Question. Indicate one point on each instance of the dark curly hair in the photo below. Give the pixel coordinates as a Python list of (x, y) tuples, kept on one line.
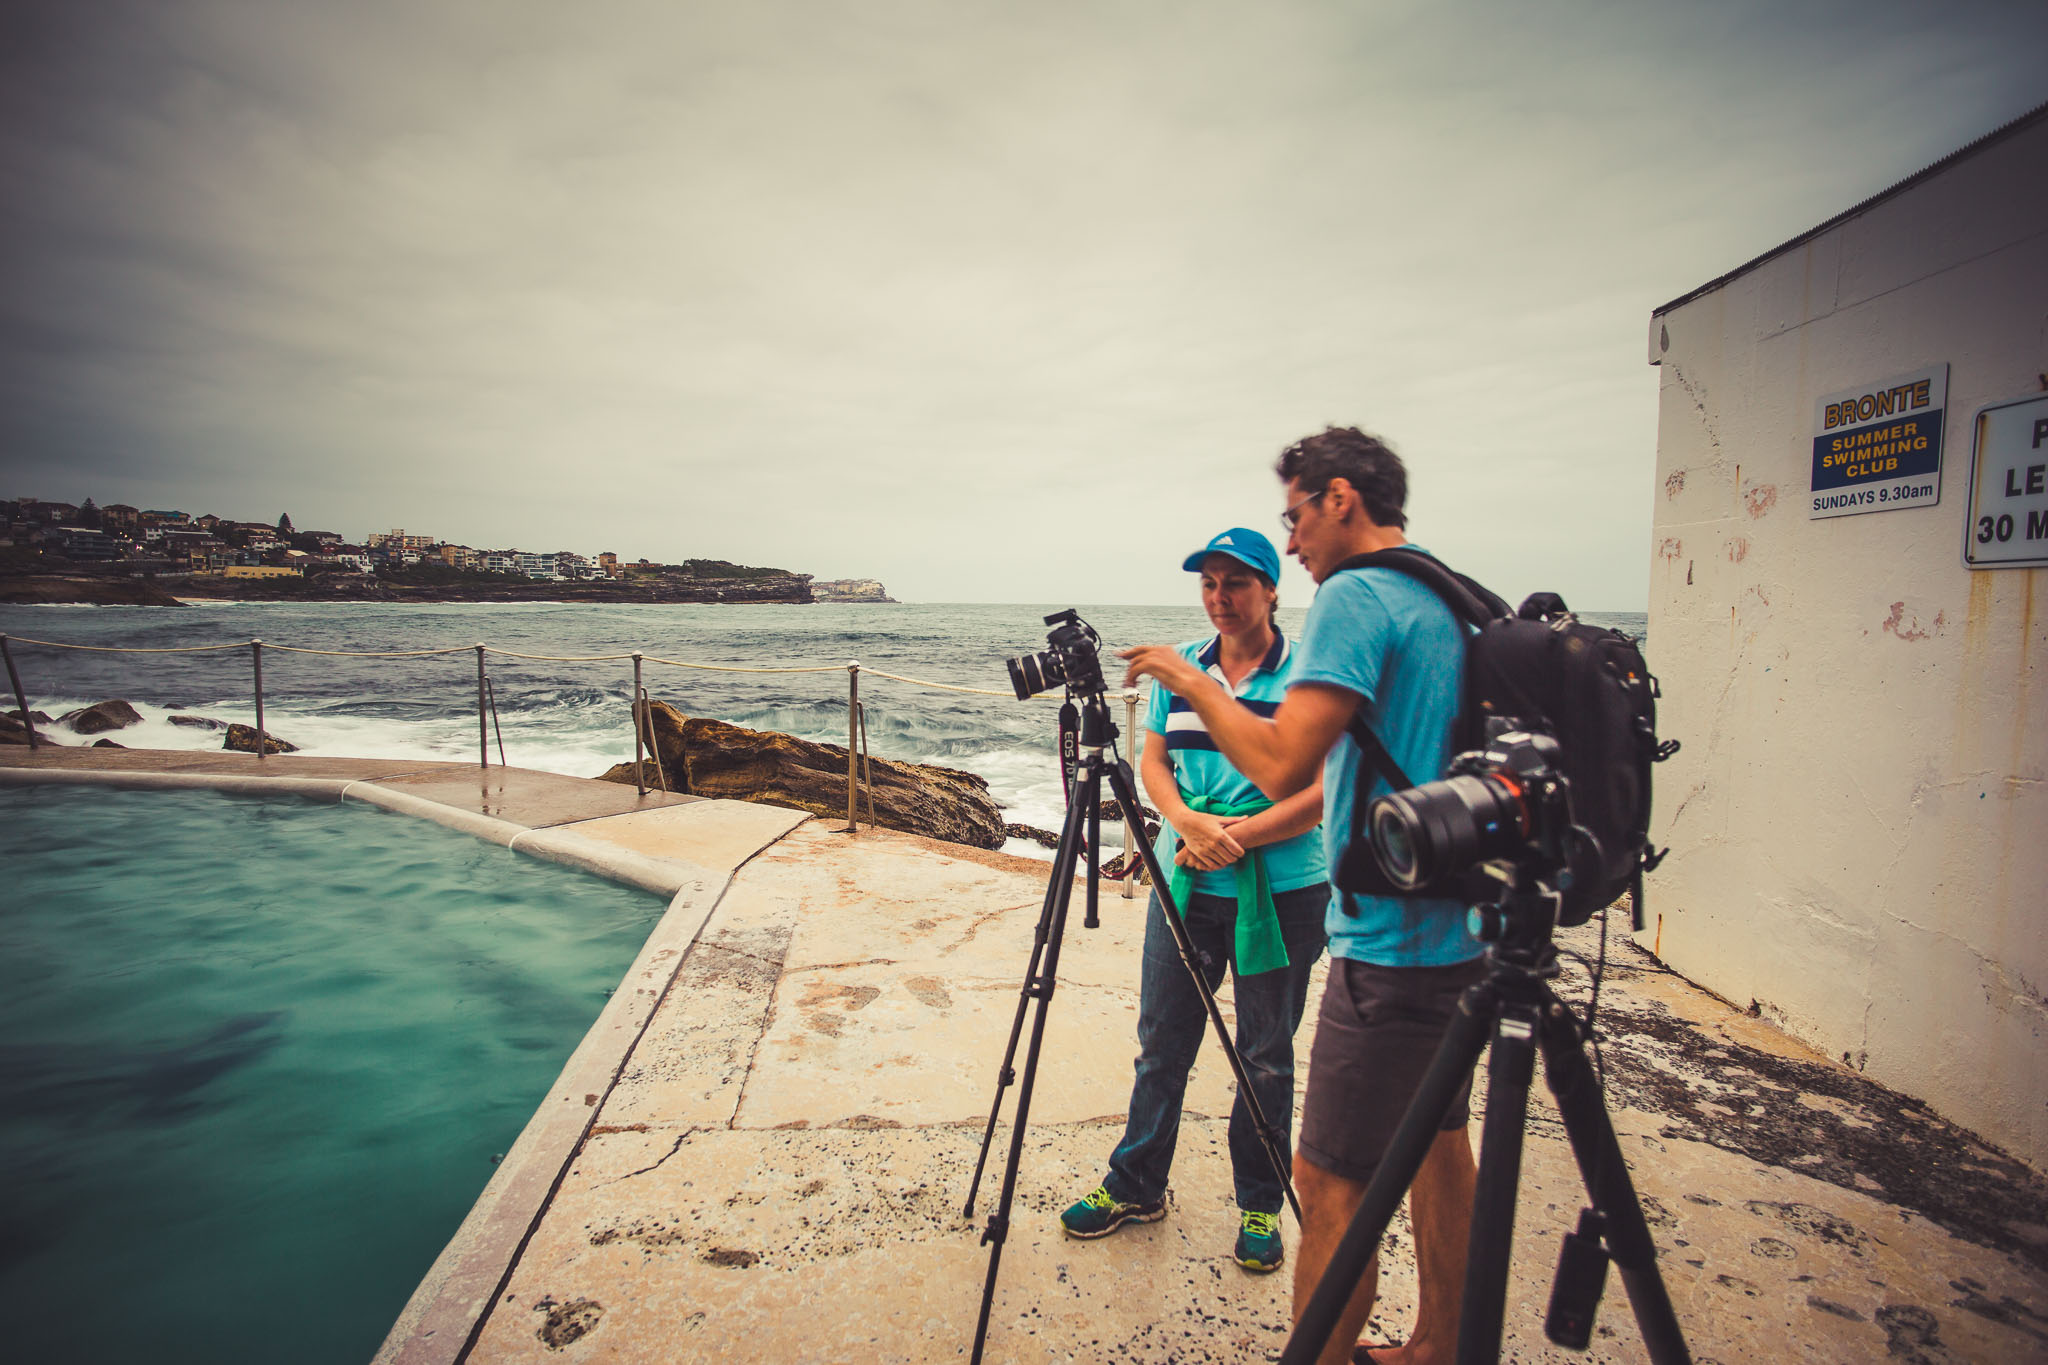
[(1367, 463)]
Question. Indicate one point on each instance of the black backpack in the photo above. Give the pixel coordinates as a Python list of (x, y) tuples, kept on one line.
[(1586, 687)]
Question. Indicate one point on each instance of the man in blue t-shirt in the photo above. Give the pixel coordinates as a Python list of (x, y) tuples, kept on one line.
[(1380, 645)]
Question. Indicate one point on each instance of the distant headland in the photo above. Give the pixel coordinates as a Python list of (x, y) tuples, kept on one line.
[(122, 555)]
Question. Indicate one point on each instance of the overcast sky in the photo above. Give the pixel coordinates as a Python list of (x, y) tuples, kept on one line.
[(991, 302)]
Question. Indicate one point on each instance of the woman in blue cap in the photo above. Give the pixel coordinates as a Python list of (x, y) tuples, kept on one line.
[(1250, 878)]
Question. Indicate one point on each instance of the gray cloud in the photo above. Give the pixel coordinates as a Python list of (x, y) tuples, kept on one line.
[(992, 303)]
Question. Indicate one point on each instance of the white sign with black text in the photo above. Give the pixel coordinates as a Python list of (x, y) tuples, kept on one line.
[(2008, 526)]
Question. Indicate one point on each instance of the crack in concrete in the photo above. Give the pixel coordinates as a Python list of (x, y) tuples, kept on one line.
[(980, 922), (675, 1147)]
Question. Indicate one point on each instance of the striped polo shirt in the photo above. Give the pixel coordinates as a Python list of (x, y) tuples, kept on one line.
[(1200, 768)]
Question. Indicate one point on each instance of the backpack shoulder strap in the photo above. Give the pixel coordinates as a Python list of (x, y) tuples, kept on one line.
[(1469, 600), (1376, 755)]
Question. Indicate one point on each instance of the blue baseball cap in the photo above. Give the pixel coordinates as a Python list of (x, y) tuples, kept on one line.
[(1244, 545)]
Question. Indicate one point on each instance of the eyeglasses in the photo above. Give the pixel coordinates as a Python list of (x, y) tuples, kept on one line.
[(1292, 516)]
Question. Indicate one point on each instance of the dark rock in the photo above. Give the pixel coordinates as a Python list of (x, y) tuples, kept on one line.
[(12, 731), (1113, 811), (1044, 838), (242, 739), (101, 717), (107, 744), (703, 757), (198, 722)]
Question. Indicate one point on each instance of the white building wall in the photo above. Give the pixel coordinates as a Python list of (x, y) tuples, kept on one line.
[(1859, 816)]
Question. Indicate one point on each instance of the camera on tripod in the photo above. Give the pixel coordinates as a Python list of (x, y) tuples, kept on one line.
[(1507, 803), (1074, 659)]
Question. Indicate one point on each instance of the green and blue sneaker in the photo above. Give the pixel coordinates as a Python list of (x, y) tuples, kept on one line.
[(1258, 1242), (1098, 1214)]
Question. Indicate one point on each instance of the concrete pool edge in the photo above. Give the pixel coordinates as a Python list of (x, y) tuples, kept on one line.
[(330, 788), (450, 1301)]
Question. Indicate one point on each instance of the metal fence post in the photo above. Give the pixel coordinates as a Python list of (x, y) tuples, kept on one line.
[(483, 734), (262, 740), (19, 699), (1132, 817), (639, 764), (852, 744)]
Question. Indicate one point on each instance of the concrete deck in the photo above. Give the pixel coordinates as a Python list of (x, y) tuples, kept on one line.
[(761, 1149)]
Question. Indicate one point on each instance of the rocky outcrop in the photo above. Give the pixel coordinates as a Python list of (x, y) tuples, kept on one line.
[(132, 592), (197, 722), (242, 739), (703, 757), (849, 590), (101, 717), (12, 731)]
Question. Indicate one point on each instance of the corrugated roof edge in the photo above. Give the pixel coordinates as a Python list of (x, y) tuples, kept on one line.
[(1998, 134)]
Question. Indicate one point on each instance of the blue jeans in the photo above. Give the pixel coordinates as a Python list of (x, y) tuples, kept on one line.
[(1172, 1021)]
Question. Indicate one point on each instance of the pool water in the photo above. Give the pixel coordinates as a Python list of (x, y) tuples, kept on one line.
[(257, 1057)]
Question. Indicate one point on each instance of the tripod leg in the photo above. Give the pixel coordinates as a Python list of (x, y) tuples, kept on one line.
[(1089, 919), (1605, 1173), (1056, 890), (1508, 1074), (1122, 786), (1455, 1055), (1040, 987)]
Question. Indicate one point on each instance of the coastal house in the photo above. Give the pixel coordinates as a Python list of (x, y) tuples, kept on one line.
[(1848, 581)]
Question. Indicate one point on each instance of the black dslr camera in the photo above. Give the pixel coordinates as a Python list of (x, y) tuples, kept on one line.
[(1075, 659), (1504, 803)]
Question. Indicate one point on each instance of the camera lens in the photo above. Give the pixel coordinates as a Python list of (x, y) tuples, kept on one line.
[(1035, 673), (1424, 833)]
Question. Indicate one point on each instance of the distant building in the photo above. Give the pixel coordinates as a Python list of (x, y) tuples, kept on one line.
[(79, 542), (609, 564), (534, 565), (259, 571)]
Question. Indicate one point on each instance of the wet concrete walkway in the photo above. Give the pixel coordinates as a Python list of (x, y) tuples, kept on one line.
[(761, 1150)]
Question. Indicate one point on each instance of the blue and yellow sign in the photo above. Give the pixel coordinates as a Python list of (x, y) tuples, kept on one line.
[(1877, 446)]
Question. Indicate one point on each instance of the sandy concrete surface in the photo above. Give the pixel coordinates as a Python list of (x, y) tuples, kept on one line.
[(762, 1149), (780, 1171)]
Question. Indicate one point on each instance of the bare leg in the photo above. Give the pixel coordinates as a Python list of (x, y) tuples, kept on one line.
[(1440, 1211), (1327, 1203)]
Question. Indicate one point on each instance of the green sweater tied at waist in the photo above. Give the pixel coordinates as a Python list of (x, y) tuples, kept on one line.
[(1260, 947)]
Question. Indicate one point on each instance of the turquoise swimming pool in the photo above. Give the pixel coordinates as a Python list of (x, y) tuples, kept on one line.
[(257, 1057)]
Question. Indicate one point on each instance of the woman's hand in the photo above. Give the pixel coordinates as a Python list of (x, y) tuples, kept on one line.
[(1205, 843)]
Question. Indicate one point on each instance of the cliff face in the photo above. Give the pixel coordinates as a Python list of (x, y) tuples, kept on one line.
[(849, 590)]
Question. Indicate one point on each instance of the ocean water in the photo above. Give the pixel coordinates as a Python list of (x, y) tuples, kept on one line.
[(257, 1057), (574, 717)]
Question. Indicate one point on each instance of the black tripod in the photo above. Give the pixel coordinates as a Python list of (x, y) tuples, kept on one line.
[(1084, 812), (1514, 1008)]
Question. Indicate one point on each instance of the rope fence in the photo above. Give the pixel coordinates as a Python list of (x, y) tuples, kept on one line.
[(857, 775)]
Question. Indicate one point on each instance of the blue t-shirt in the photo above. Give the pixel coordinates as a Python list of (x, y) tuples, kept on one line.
[(1382, 635), (1201, 769)]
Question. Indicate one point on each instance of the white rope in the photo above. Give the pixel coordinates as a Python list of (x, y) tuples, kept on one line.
[(514, 654)]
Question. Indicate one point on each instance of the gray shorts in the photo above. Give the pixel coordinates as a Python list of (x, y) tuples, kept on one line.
[(1376, 1034)]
